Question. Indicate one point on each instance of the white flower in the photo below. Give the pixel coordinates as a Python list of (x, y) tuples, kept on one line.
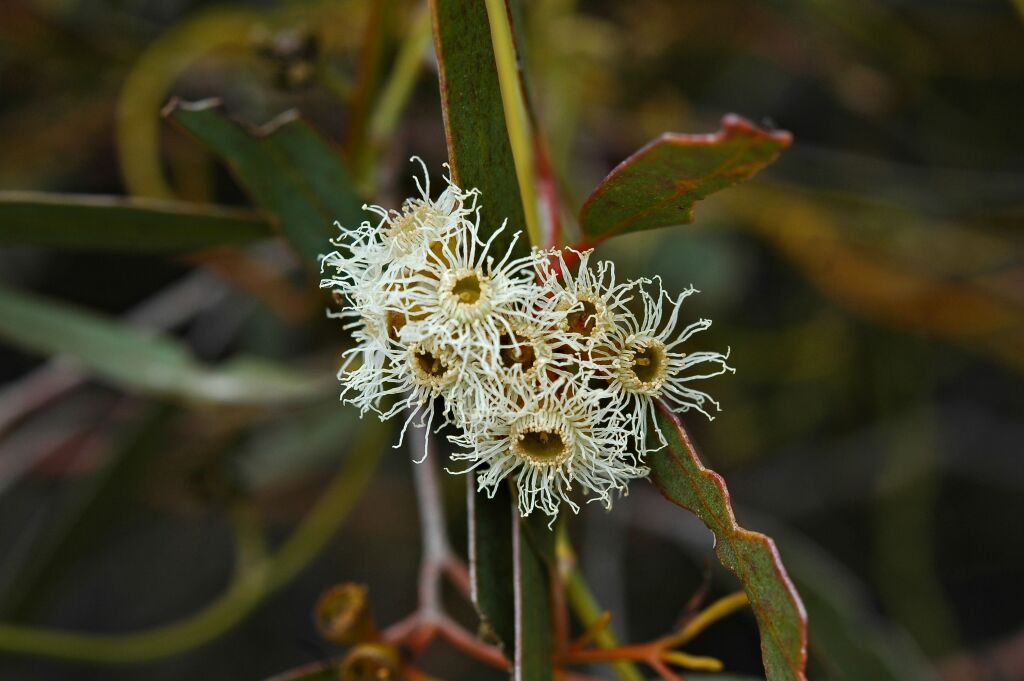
[(563, 436), (371, 249), (547, 373), (460, 295), (418, 374), (374, 329), (593, 302), (645, 362)]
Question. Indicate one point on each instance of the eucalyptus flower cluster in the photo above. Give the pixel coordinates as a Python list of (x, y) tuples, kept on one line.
[(547, 372)]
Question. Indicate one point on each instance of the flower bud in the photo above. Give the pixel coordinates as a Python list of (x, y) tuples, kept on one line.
[(343, 615), (371, 662)]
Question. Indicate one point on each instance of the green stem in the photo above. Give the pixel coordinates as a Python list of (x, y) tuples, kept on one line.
[(586, 608), (241, 597), (515, 113)]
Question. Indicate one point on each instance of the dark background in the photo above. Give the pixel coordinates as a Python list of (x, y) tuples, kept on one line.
[(870, 286)]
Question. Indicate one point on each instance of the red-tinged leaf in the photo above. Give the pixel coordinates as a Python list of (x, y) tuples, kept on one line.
[(658, 185), (474, 117), (678, 474)]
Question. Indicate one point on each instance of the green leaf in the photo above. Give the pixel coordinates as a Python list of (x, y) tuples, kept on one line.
[(658, 185), (139, 360), (534, 565), (480, 156), (474, 118), (287, 169), (678, 474), (491, 561), (113, 223)]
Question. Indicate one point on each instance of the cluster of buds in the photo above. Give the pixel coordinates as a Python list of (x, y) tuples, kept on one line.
[(548, 372)]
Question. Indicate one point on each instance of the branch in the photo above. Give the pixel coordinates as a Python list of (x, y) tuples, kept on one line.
[(659, 653), (429, 620), (586, 609)]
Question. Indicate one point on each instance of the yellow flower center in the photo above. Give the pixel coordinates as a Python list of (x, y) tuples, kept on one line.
[(465, 295), (467, 289), (431, 367), (642, 367), (543, 438), (587, 315)]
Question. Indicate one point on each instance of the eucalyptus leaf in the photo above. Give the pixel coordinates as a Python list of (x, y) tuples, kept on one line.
[(681, 478), (287, 169), (659, 184), (143, 361), (491, 562), (480, 156), (474, 117), (534, 550), (116, 223)]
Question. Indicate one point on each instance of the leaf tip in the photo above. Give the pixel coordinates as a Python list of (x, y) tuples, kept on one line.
[(175, 104), (736, 125)]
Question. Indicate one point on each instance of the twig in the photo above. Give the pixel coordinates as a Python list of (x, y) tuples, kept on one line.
[(657, 654), (429, 621), (586, 609)]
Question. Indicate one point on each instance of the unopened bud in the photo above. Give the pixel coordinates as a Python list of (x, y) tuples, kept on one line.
[(343, 615), (371, 662)]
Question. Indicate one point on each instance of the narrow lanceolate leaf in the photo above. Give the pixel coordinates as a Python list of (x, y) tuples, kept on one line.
[(481, 157), (142, 361), (534, 548), (679, 475), (287, 169), (114, 223), (491, 562), (658, 185), (474, 118)]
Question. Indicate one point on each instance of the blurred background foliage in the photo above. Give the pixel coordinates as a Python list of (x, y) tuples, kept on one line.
[(870, 285)]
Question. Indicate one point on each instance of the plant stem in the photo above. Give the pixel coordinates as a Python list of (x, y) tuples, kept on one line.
[(241, 597), (721, 608), (585, 607)]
